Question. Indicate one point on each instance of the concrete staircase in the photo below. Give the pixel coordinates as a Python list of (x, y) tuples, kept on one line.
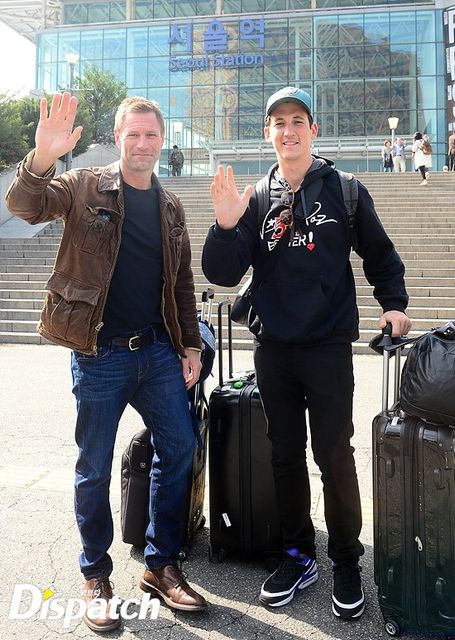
[(420, 220)]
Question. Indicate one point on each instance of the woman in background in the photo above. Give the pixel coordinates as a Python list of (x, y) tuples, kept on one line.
[(419, 157), (387, 159)]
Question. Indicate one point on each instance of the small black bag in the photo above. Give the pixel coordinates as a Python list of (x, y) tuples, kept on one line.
[(241, 309), (428, 377)]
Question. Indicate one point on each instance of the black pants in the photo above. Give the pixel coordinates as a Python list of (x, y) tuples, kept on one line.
[(291, 379), (423, 171)]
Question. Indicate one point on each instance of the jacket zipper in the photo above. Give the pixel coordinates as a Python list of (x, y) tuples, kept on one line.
[(168, 204), (100, 323)]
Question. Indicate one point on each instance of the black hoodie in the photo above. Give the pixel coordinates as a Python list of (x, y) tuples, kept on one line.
[(309, 294)]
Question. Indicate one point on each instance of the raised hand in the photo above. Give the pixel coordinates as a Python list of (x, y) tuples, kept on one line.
[(54, 135), (228, 203)]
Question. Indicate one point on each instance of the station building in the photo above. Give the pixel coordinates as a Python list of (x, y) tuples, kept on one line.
[(211, 65)]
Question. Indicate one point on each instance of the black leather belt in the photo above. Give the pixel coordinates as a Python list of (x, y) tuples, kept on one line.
[(137, 342)]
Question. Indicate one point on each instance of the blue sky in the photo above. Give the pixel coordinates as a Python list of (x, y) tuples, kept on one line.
[(17, 68)]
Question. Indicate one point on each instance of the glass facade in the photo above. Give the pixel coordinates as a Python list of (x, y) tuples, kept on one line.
[(111, 10), (212, 75)]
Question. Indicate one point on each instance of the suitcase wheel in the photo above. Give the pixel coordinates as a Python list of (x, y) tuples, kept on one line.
[(393, 628), (216, 554)]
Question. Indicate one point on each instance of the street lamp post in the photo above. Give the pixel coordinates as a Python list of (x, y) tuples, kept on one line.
[(72, 60), (393, 124)]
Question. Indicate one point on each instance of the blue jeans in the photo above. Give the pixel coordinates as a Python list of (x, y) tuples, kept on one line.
[(151, 380)]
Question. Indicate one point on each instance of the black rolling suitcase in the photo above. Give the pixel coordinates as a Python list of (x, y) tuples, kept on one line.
[(136, 461), (414, 517), (243, 513)]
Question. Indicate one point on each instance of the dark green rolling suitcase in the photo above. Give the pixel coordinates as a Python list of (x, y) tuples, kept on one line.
[(414, 519), (244, 518)]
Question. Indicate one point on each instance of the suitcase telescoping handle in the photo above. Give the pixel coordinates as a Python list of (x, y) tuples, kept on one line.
[(388, 348), (205, 317), (207, 302), (221, 306)]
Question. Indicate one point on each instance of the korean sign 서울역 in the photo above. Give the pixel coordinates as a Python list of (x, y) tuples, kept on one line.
[(216, 45)]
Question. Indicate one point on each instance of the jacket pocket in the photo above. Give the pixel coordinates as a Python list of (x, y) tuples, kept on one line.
[(69, 308), (94, 229), (175, 242)]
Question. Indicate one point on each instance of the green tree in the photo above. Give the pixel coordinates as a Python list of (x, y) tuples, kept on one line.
[(83, 118), (99, 95), (12, 144), (29, 111)]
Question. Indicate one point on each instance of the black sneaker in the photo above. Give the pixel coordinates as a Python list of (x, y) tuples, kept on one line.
[(348, 599), (295, 571)]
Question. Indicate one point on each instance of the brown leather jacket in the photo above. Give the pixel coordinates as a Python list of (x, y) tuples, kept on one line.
[(90, 201)]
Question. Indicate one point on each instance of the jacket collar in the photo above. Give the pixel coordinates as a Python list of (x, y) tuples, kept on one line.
[(111, 180)]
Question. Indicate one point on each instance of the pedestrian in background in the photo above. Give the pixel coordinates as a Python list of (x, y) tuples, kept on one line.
[(427, 152), (399, 155), (387, 159), (451, 152), (418, 157), (176, 160)]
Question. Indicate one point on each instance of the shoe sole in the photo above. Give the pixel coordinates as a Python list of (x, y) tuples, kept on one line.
[(148, 588), (346, 615), (288, 598), (100, 628)]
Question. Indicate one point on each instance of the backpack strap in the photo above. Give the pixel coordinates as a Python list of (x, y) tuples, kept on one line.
[(350, 189), (263, 195), (262, 192)]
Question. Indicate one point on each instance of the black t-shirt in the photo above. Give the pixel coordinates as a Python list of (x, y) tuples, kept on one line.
[(134, 297)]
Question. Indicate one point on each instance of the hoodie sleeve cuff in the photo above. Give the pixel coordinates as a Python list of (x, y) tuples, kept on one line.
[(224, 234), (394, 307)]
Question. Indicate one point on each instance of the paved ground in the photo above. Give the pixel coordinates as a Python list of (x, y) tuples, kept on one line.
[(40, 540)]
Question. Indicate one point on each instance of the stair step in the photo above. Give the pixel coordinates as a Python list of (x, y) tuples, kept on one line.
[(418, 324), (19, 294), (15, 276), (414, 311), (26, 315), (18, 326), (20, 304), (432, 302), (18, 337), (22, 285), (422, 229)]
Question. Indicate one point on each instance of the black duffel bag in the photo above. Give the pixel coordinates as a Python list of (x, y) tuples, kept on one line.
[(428, 377)]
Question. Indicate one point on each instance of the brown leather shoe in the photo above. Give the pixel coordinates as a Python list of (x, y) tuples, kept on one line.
[(95, 590), (169, 583)]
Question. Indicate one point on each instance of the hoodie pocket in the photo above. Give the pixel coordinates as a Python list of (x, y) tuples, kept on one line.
[(69, 308), (293, 311)]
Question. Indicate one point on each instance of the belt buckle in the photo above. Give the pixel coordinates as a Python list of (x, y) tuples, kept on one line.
[(131, 347)]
